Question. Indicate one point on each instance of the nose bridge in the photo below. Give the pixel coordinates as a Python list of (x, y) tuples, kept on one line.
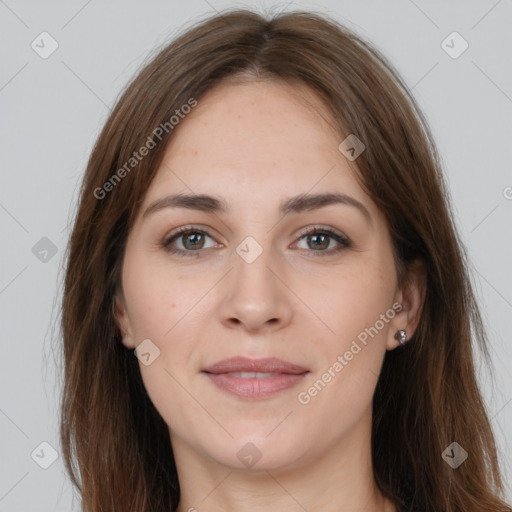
[(251, 261), (255, 297)]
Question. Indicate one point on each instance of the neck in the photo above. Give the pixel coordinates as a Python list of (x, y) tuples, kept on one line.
[(339, 480)]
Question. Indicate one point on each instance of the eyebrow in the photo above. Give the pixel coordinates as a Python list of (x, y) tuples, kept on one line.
[(296, 204)]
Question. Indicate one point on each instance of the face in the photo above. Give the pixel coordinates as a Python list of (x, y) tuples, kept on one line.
[(282, 263)]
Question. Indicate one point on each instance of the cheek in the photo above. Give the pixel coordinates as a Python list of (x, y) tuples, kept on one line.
[(350, 357), (156, 296), (351, 351), (160, 304), (164, 307), (353, 299)]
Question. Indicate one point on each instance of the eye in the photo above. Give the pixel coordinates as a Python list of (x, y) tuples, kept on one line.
[(323, 241), (187, 240)]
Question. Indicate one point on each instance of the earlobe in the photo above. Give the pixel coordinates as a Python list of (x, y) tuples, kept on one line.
[(411, 297), (122, 321)]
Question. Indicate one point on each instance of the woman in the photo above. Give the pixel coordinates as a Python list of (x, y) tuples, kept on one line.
[(264, 224)]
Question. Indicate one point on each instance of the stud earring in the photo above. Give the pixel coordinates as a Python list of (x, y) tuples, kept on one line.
[(401, 336)]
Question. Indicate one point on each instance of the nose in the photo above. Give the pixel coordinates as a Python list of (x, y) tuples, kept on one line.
[(255, 297)]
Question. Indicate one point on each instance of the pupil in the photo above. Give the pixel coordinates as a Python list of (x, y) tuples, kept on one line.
[(322, 244), (194, 238)]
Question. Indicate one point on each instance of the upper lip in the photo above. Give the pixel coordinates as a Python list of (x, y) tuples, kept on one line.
[(246, 364)]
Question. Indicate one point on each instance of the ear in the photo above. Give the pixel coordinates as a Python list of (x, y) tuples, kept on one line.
[(122, 320), (411, 297)]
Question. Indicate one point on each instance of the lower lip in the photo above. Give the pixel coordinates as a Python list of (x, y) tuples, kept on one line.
[(255, 387)]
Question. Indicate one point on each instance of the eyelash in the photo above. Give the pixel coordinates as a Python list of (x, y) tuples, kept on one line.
[(343, 241)]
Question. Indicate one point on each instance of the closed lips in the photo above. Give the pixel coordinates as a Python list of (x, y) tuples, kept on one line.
[(256, 368), (253, 375), (254, 379)]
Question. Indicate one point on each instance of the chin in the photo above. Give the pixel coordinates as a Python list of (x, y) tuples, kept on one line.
[(258, 453)]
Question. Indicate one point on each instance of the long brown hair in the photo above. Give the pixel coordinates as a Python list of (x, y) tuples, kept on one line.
[(115, 445)]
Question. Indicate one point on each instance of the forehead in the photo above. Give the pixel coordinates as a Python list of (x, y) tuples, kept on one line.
[(243, 115), (256, 140)]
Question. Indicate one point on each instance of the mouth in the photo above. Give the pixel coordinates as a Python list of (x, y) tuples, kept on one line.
[(254, 378)]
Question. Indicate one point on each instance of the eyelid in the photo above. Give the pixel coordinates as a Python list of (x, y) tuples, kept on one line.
[(308, 230)]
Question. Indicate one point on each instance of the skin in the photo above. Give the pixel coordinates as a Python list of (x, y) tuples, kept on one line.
[(254, 145)]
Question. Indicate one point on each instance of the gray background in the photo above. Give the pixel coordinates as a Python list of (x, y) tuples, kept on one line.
[(52, 110)]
